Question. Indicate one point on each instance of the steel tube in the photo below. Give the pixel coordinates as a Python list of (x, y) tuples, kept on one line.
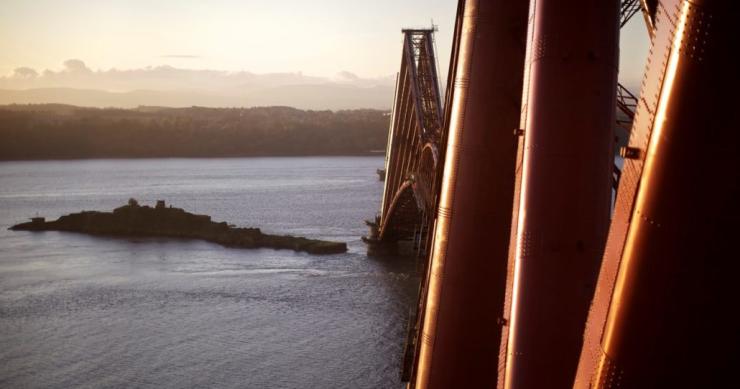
[(461, 330), (670, 318), (564, 203)]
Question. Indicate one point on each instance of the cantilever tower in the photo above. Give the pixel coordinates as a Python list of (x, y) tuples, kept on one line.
[(414, 155)]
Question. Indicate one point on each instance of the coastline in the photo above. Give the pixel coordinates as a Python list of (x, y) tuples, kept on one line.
[(195, 157)]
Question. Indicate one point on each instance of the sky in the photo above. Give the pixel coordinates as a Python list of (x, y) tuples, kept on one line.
[(318, 38)]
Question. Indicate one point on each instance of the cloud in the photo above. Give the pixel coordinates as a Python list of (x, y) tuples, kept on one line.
[(25, 73), (76, 66), (347, 76)]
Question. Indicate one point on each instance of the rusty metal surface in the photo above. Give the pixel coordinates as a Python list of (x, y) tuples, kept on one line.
[(565, 190), (465, 295), (663, 314)]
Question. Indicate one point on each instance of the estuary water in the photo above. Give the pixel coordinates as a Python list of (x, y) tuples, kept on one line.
[(88, 312)]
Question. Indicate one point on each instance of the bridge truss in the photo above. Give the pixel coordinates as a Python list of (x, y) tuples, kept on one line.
[(415, 144)]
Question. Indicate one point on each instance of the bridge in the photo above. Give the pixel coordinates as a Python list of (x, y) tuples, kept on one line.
[(415, 151), (530, 278)]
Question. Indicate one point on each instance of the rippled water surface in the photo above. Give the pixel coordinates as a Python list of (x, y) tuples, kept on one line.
[(81, 311)]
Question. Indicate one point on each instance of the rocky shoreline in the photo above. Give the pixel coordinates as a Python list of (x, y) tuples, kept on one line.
[(162, 221)]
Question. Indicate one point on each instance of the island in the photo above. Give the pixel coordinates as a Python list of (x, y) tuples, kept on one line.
[(134, 220)]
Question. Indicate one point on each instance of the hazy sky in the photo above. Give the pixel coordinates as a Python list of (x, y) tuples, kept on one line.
[(316, 37)]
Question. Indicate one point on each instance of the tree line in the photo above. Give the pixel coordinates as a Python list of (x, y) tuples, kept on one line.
[(51, 131)]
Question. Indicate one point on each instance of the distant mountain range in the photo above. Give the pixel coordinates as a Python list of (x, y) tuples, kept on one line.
[(77, 84), (306, 96)]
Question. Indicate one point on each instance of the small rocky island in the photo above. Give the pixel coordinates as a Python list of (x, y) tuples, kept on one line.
[(161, 221)]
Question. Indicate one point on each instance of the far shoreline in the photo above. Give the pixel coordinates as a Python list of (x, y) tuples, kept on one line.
[(60, 132), (134, 158)]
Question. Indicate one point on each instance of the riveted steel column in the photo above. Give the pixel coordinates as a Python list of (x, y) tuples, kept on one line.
[(461, 330), (666, 311), (563, 215)]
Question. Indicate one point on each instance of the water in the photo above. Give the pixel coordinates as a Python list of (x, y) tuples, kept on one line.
[(81, 311)]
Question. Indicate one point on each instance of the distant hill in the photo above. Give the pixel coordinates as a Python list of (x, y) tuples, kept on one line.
[(78, 84), (305, 96), (58, 131)]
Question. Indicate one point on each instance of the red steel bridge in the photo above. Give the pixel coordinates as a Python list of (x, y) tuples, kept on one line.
[(415, 149), (532, 277)]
